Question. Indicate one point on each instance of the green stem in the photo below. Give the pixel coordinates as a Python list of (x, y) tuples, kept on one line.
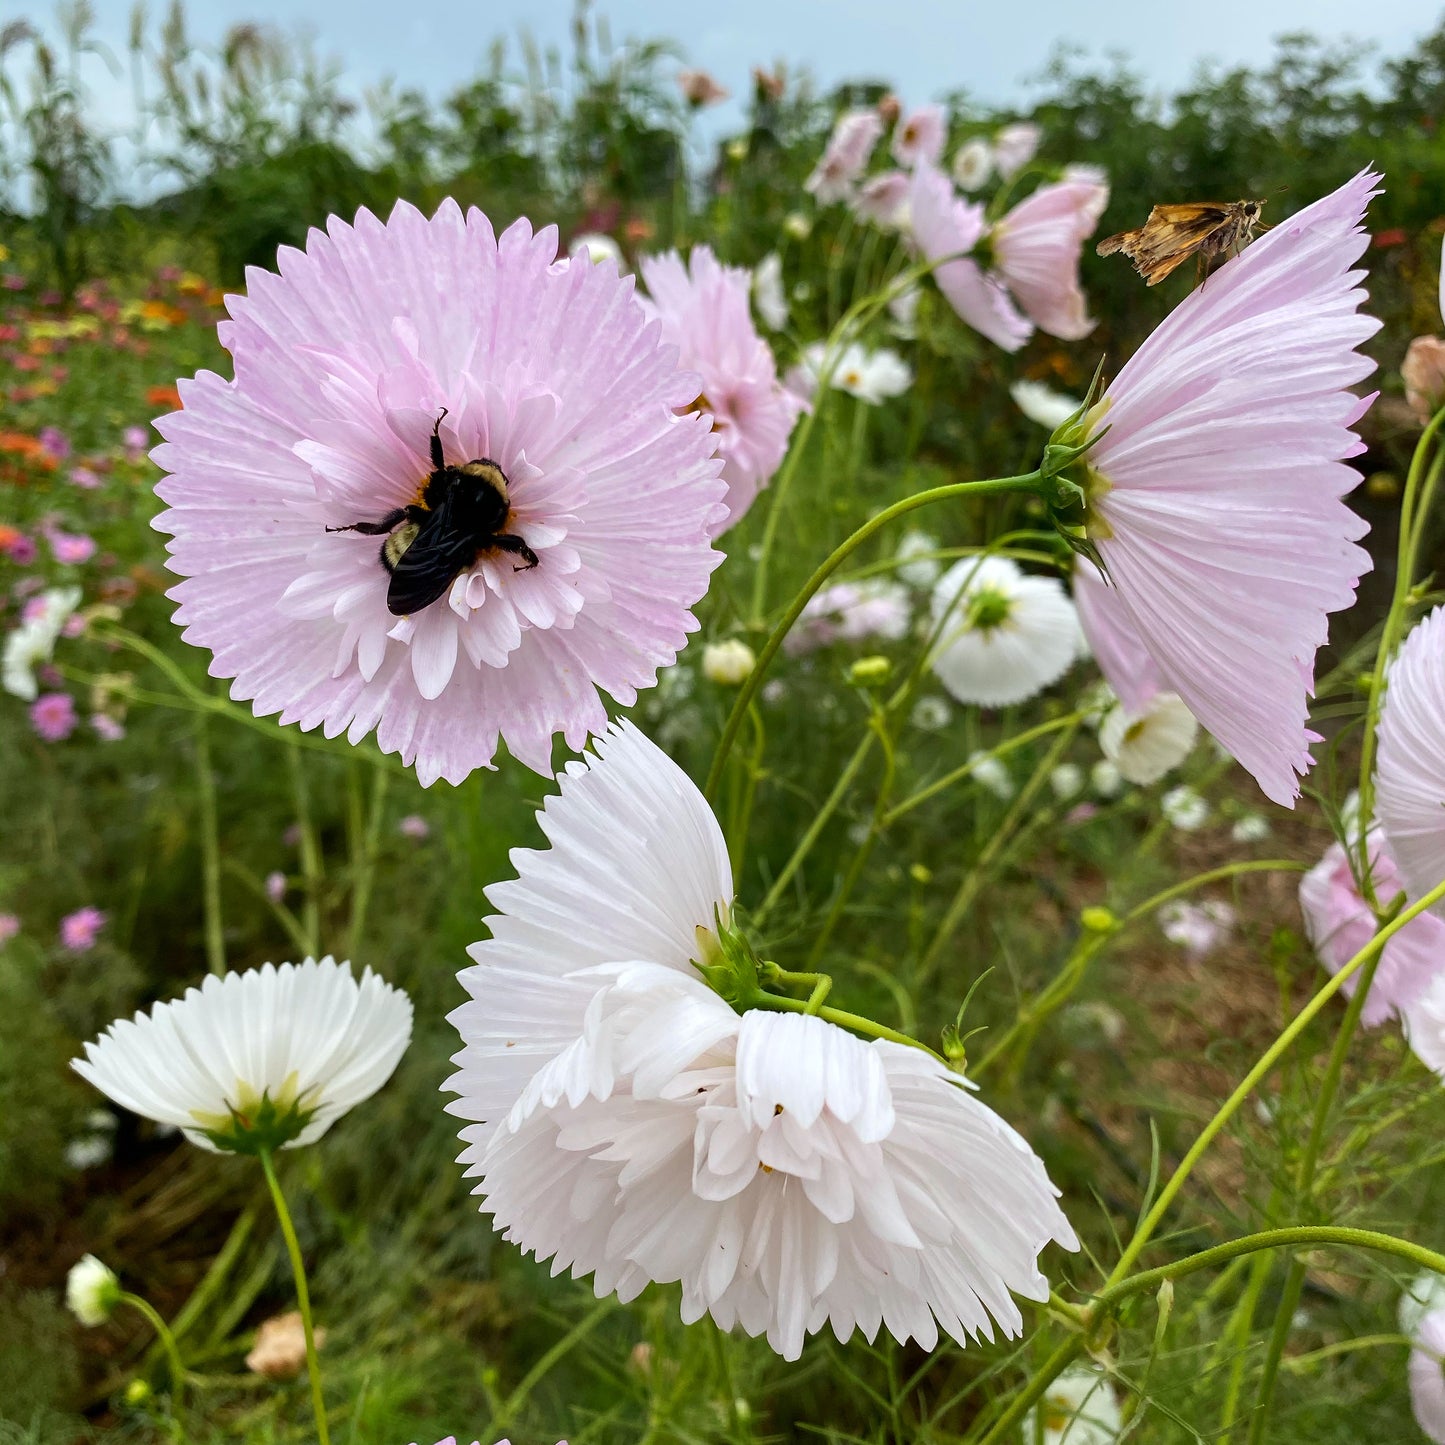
[(1266, 1063), (168, 1344), (825, 569), (310, 854), (514, 1402), (1038, 1385), (856, 1022), (365, 866), (303, 1295), (977, 876), (210, 851)]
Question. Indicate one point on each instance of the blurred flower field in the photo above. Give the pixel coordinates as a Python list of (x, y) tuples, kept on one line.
[(870, 783)]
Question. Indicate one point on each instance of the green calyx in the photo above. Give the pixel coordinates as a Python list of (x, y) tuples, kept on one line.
[(256, 1124), (988, 608), (727, 962), (1072, 487)]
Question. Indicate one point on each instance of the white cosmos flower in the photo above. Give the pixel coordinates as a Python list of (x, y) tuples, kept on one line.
[(915, 566), (1008, 635), (903, 309), (972, 164), (768, 299), (728, 662), (92, 1291), (992, 774), (596, 247), (1184, 809), (267, 1058), (1198, 928), (872, 376), (1424, 1294), (1251, 828), (1147, 744), (1066, 780), (33, 641), (1106, 779), (1079, 1408), (1427, 1376), (629, 1124), (1043, 404)]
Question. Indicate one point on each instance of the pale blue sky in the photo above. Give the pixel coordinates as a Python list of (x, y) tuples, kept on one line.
[(924, 47)]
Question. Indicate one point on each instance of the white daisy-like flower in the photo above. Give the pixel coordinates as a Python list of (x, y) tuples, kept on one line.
[(1067, 781), (1106, 779), (1145, 745), (1008, 635), (92, 1291), (1198, 928), (1410, 779), (991, 773), (1251, 828), (594, 247), (972, 164), (915, 564), (1043, 404), (32, 642), (768, 299), (629, 1124), (270, 1058), (872, 376), (1184, 809), (931, 714), (1080, 1407), (903, 311)]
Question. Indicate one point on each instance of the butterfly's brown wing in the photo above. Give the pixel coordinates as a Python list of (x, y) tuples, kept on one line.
[(1170, 236)]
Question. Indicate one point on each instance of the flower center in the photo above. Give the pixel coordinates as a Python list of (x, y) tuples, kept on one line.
[(988, 608)]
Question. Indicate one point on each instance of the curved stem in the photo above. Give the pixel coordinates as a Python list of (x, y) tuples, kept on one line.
[(825, 569), (856, 1022), (303, 1295), (1267, 1061), (168, 1344), (1019, 1406)]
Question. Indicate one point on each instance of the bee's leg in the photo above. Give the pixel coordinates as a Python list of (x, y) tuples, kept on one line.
[(375, 529), (505, 542), (438, 461)]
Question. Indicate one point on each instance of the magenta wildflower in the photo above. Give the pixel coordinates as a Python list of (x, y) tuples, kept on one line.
[(705, 311), (79, 930), (846, 155), (275, 886), (52, 715), (945, 229), (1036, 249), (1340, 923), (1215, 484), (54, 442), (21, 550), (1410, 780), (376, 337)]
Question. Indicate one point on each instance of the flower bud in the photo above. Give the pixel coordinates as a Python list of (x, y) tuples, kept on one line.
[(1423, 372), (1098, 920), (92, 1291), (870, 671), (728, 663)]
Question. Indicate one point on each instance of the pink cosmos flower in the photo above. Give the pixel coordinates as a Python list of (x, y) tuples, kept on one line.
[(1340, 923), (275, 886), (1014, 147), (54, 442), (1410, 778), (849, 612), (78, 930), (705, 311), (21, 550), (1215, 485), (135, 438), (846, 155), (921, 136), (84, 478), (1427, 1376), (1198, 928), (52, 715), (414, 826), (71, 548), (1036, 249), (1114, 641), (945, 226), (9, 927), (883, 200), (375, 339)]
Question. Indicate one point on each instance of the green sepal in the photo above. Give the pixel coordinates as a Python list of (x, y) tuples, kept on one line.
[(727, 962), (267, 1127)]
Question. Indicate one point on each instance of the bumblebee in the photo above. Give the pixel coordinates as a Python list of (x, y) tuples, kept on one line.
[(460, 514)]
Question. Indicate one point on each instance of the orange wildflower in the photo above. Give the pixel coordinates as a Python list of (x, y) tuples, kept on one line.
[(166, 396)]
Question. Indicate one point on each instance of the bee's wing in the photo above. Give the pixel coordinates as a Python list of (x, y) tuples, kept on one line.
[(430, 565)]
